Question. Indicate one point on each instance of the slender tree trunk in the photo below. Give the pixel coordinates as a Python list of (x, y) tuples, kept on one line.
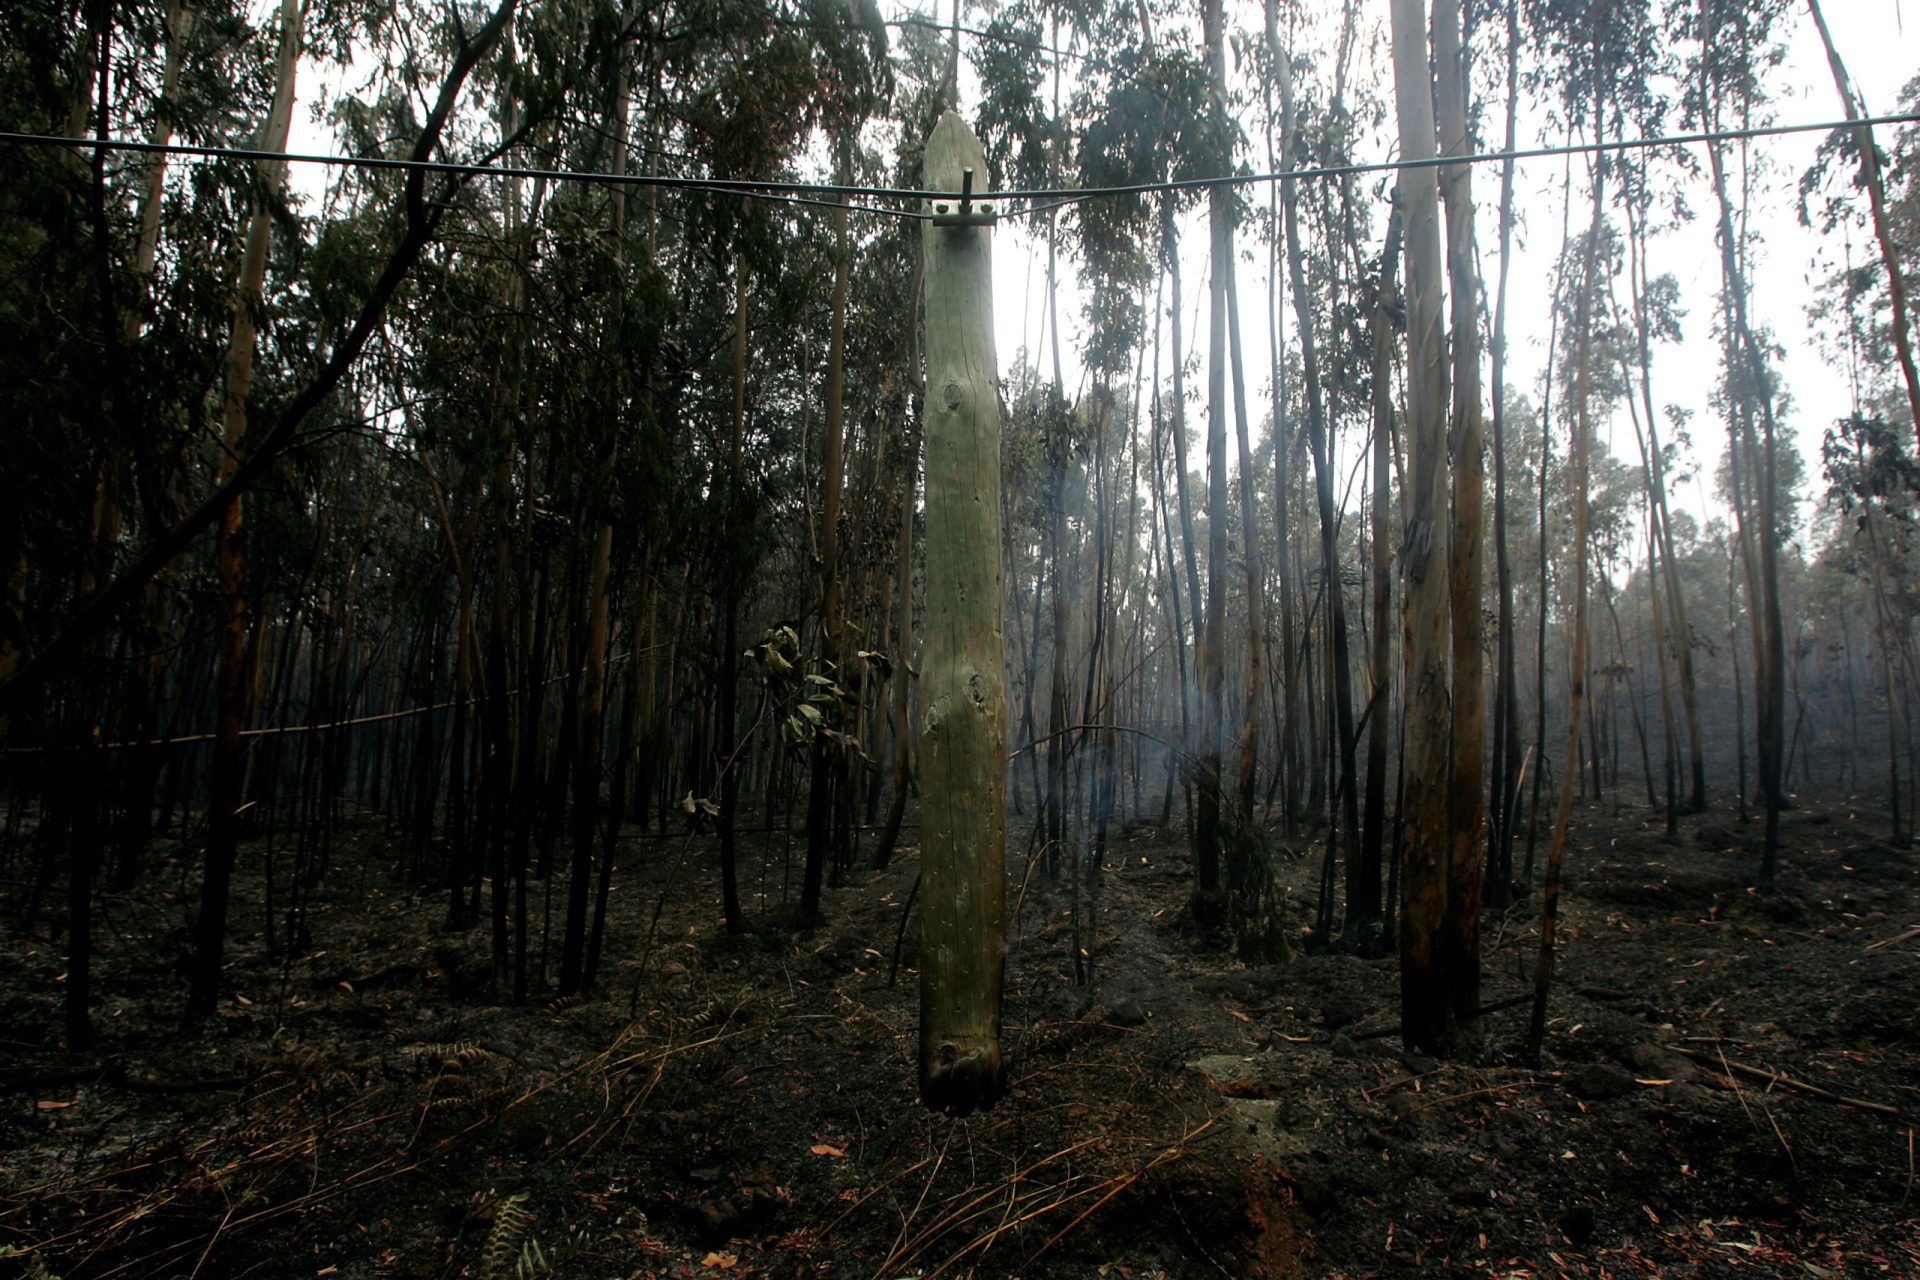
[(1656, 576), (588, 762), (1060, 449), (733, 571), (1466, 800), (147, 672), (1256, 567), (1362, 901), (229, 763), (1679, 634), (1283, 442), (1870, 177), (1177, 628), (1576, 698), (1059, 595), (1207, 839), (901, 687), (1426, 1003), (1752, 388), (1546, 466), (1363, 893), (1505, 790), (617, 794), (1177, 428), (829, 763), (73, 807)]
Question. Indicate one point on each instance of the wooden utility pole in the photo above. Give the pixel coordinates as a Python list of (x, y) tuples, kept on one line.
[(963, 724)]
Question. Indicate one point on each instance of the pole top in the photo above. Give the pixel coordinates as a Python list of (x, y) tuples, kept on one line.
[(954, 161)]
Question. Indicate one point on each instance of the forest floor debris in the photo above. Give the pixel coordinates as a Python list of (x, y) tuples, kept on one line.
[(1730, 1087)]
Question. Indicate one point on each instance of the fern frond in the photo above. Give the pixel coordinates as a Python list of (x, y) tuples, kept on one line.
[(502, 1255)]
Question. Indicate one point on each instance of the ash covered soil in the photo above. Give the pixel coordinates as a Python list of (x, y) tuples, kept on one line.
[(1730, 1085)]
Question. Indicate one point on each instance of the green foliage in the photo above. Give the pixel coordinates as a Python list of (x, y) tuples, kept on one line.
[(512, 1251), (811, 705)]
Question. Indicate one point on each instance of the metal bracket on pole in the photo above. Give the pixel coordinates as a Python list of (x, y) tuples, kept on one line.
[(945, 215)]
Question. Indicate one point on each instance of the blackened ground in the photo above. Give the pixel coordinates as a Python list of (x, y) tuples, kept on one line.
[(745, 1106)]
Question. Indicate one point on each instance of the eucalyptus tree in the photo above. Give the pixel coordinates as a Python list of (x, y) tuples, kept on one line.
[(1466, 800), (1025, 129), (65, 630), (178, 315), (1579, 551), (1112, 110), (1366, 893), (1873, 178), (1731, 39), (1426, 1004), (1207, 834), (1155, 123), (855, 57), (235, 626), (1504, 786), (1363, 904), (1872, 480)]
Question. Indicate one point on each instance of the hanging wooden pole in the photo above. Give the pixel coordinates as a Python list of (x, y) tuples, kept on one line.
[(963, 724)]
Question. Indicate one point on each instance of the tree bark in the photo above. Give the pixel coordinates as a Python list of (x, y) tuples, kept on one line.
[(1363, 891), (733, 571), (1426, 1003), (1466, 800), (1870, 177), (1288, 735), (1363, 904), (1504, 793), (1751, 387), (901, 686), (829, 762), (1576, 697), (229, 762)]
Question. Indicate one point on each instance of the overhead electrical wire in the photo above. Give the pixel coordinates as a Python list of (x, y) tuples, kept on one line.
[(838, 195)]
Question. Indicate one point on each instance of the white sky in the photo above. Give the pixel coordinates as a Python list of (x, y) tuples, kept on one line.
[(1880, 55)]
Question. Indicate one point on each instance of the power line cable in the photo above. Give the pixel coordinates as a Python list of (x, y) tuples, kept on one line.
[(1041, 199), (1437, 162), (786, 192)]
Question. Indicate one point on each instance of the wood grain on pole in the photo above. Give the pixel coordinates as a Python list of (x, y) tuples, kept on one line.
[(963, 686)]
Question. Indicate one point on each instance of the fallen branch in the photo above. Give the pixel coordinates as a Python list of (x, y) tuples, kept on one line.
[(1772, 1077)]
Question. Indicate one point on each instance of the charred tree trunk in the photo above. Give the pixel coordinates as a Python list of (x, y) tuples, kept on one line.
[(1504, 793), (1363, 892), (1466, 799), (1426, 1003), (229, 763)]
